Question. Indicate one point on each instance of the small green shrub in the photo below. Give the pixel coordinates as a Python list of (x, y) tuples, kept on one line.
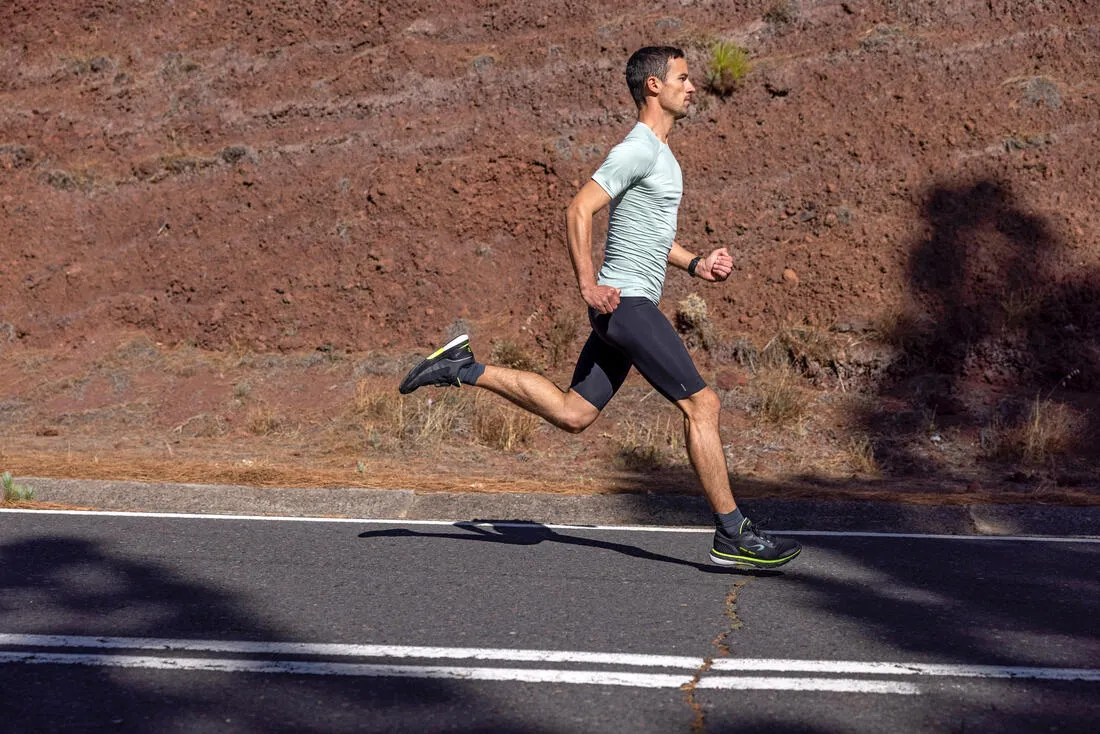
[(727, 67), (15, 492)]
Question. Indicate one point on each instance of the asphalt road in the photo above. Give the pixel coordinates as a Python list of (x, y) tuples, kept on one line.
[(164, 624)]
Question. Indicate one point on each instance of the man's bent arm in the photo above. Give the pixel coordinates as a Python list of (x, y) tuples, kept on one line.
[(716, 266), (680, 257), (589, 200)]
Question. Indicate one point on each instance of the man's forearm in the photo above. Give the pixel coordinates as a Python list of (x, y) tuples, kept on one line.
[(579, 238), (680, 257)]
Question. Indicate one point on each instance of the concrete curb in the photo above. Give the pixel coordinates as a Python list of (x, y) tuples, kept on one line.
[(600, 509)]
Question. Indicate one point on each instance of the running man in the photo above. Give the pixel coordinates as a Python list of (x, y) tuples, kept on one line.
[(640, 180)]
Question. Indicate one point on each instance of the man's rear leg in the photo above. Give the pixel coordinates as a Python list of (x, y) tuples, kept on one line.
[(536, 394), (454, 364)]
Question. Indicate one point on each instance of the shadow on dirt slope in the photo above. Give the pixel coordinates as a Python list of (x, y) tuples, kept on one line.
[(990, 335)]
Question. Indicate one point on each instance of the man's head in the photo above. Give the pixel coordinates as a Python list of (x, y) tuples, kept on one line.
[(660, 72)]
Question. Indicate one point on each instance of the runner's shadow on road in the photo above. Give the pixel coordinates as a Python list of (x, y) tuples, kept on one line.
[(511, 532)]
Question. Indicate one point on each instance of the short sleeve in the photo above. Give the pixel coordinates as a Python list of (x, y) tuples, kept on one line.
[(627, 162)]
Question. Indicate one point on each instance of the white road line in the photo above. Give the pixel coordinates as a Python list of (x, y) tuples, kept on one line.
[(519, 675), (341, 650), (934, 536), (947, 670), (306, 667), (552, 526), (757, 665), (834, 685)]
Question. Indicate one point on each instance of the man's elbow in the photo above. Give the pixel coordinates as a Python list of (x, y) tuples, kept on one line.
[(578, 210)]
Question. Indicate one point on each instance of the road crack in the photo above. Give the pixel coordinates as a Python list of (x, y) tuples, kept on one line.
[(721, 645)]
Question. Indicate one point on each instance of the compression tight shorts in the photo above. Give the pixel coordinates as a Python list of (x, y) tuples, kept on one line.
[(635, 334)]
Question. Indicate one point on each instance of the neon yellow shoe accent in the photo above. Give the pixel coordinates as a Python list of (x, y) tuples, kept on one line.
[(451, 345), (748, 560)]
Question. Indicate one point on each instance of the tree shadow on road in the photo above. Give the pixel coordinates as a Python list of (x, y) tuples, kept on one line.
[(74, 586), (974, 602)]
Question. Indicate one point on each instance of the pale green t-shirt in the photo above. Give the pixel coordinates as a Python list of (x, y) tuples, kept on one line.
[(645, 184)]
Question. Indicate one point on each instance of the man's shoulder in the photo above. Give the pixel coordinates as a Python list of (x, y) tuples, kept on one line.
[(642, 138), (640, 143)]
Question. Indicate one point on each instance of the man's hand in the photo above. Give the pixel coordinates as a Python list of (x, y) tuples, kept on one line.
[(716, 266), (603, 298)]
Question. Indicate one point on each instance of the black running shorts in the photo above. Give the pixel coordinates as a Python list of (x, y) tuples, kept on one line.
[(635, 334)]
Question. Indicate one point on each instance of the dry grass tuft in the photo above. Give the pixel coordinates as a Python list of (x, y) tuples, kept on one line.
[(386, 407), (1020, 306), (1049, 429), (509, 354), (262, 420), (560, 337), (781, 400), (503, 427), (644, 446), (693, 321), (438, 418), (424, 418), (203, 425), (807, 349), (860, 454)]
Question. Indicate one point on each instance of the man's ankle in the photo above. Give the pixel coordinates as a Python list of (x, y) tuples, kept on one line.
[(468, 374), (729, 522)]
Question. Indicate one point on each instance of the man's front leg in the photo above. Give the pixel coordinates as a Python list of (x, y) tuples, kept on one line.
[(704, 446)]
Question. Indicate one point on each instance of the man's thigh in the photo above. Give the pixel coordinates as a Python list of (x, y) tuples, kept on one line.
[(650, 342), (600, 371)]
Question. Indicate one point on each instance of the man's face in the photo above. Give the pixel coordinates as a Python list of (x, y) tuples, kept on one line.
[(676, 89)]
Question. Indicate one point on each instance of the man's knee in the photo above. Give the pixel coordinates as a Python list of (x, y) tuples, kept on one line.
[(579, 414), (704, 405)]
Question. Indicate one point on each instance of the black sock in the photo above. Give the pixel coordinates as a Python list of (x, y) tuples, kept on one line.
[(468, 373), (730, 521)]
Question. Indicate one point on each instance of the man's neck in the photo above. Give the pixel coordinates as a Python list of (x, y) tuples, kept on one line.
[(658, 120)]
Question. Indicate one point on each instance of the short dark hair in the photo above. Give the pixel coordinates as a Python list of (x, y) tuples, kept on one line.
[(647, 62)]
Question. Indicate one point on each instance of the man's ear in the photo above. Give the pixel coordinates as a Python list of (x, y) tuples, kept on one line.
[(653, 84)]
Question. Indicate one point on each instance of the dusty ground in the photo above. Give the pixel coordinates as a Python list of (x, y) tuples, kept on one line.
[(225, 230)]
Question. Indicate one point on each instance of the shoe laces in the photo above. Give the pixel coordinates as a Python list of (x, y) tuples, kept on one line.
[(750, 528)]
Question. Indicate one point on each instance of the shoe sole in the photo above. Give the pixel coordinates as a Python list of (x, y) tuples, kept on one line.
[(746, 562)]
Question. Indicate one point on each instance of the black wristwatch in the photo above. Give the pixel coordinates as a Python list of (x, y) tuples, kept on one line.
[(691, 266)]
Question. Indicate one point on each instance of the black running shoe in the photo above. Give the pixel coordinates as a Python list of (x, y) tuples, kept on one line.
[(441, 367), (752, 548)]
